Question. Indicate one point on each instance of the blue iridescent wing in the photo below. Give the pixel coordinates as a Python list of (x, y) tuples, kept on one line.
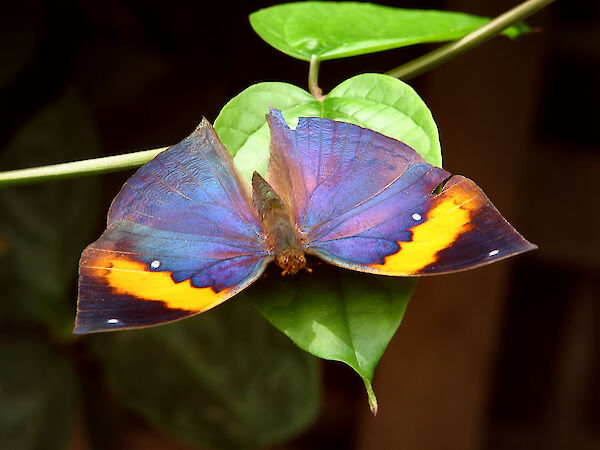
[(325, 166), (368, 202), (182, 237)]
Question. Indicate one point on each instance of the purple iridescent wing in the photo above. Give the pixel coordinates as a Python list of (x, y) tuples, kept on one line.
[(368, 202), (182, 237)]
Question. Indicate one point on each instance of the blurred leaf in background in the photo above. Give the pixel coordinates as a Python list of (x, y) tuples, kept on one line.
[(226, 378), (43, 228), (38, 395), (42, 231)]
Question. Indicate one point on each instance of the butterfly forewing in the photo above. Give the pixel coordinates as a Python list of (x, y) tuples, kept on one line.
[(182, 237), (325, 166)]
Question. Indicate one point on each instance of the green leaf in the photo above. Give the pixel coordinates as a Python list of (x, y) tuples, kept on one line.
[(224, 379), (388, 106), (38, 395), (331, 30), (379, 102), (242, 126), (337, 314), (332, 313), (43, 229)]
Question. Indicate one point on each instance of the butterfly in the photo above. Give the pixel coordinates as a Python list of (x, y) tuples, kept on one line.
[(186, 232)]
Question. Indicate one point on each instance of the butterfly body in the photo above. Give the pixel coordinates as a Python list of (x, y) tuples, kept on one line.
[(282, 237), (185, 233)]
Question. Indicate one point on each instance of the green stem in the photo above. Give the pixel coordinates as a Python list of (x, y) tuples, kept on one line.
[(371, 397), (477, 37), (78, 168), (313, 79), (406, 71)]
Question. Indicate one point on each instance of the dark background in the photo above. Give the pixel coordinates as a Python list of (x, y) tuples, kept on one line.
[(503, 357)]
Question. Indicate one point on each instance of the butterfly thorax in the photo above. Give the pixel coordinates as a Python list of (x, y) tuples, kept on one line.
[(279, 227)]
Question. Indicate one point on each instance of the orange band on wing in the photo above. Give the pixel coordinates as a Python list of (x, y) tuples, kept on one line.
[(447, 219), (127, 276)]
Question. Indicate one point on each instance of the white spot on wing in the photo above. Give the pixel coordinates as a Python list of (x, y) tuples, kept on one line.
[(112, 321), (155, 264), (494, 252), (416, 216)]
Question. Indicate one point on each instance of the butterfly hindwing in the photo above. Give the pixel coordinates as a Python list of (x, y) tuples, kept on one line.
[(372, 205), (419, 233), (182, 237)]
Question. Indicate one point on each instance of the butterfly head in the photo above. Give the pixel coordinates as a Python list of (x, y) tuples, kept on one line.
[(291, 261)]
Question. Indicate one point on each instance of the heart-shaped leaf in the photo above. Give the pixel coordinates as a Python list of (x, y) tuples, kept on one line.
[(337, 314), (225, 379), (388, 106), (330, 30), (332, 313), (242, 125), (379, 102)]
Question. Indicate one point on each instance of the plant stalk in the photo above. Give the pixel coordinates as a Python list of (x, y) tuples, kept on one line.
[(78, 168), (313, 79), (480, 35)]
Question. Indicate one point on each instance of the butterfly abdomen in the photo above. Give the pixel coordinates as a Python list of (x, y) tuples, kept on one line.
[(279, 227)]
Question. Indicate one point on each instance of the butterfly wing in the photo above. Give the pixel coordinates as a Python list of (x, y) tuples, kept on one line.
[(325, 166), (182, 237), (367, 202)]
